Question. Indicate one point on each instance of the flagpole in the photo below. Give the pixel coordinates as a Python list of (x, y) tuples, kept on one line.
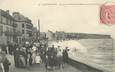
[(39, 28)]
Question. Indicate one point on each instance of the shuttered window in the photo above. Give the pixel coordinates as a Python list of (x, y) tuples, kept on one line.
[(1, 30)]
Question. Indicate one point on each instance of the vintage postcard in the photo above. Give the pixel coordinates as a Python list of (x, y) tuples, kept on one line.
[(57, 36)]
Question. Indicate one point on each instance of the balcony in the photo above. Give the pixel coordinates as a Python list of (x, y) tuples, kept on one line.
[(14, 25), (8, 33), (11, 33), (17, 33)]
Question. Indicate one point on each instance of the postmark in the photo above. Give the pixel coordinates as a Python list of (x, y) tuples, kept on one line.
[(107, 14)]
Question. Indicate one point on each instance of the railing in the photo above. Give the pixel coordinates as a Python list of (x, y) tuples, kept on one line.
[(11, 33)]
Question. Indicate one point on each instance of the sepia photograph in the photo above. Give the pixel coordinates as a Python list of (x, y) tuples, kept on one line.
[(57, 36)]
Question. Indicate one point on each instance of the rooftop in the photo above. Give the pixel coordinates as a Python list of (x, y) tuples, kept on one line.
[(6, 14), (21, 18)]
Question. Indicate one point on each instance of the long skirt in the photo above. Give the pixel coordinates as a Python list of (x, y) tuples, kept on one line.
[(22, 62), (37, 59), (51, 61), (33, 58), (59, 60), (1, 69), (16, 60)]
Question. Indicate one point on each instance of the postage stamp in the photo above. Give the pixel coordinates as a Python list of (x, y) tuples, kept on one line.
[(107, 14)]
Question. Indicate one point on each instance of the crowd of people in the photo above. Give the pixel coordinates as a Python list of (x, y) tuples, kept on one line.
[(28, 55), (4, 62)]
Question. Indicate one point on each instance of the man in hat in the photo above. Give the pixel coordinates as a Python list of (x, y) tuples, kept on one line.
[(65, 54)]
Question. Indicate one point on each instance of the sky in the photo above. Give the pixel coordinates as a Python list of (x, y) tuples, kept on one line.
[(68, 18)]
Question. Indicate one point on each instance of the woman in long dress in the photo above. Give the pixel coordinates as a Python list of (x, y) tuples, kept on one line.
[(22, 62), (38, 59), (16, 57), (1, 65), (1, 61), (33, 54), (60, 58), (4, 62)]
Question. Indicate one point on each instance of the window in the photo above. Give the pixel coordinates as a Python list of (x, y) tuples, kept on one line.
[(7, 29), (11, 22), (8, 21), (1, 30), (4, 20), (0, 18), (22, 31), (29, 26), (14, 30), (22, 25), (29, 33), (11, 29), (15, 24)]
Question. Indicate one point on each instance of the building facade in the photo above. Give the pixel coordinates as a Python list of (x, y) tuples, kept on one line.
[(7, 28), (25, 26), (14, 28), (60, 35), (86, 36), (50, 35)]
